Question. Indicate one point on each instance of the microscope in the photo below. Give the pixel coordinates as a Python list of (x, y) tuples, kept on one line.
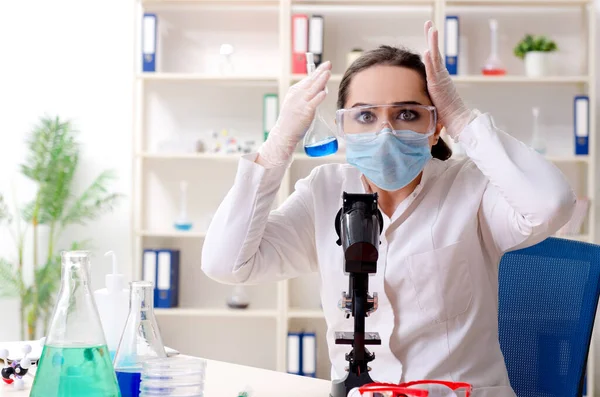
[(358, 225)]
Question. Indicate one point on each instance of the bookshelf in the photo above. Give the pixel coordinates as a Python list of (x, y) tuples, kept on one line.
[(188, 97)]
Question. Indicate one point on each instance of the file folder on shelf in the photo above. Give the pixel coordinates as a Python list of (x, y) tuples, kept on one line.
[(167, 278), (149, 38), (315, 38), (302, 353), (149, 265), (452, 38), (299, 43), (270, 113), (581, 124), (309, 354), (294, 357)]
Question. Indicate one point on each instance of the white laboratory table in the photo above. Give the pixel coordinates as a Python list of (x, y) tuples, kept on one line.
[(227, 380)]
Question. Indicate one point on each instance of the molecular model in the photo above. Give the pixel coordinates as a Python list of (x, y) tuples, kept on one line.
[(14, 372)]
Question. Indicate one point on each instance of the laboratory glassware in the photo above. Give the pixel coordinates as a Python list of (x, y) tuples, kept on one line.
[(183, 222), (538, 140), (493, 65), (239, 298), (320, 139), (176, 376), (141, 339), (75, 360)]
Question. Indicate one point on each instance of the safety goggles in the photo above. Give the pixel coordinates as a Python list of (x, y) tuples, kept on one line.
[(365, 123), (424, 388)]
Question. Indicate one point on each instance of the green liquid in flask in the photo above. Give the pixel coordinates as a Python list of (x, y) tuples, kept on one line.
[(75, 371)]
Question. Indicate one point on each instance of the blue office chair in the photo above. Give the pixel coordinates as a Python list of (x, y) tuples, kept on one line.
[(547, 305)]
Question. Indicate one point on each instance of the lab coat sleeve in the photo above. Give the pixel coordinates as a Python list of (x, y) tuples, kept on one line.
[(248, 242), (527, 198)]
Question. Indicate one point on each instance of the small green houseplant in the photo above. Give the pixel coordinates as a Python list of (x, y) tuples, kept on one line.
[(535, 50)]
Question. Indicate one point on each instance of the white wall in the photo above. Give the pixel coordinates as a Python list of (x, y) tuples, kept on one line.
[(74, 59)]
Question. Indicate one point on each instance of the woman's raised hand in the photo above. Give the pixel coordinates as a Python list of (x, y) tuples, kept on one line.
[(451, 110), (297, 113)]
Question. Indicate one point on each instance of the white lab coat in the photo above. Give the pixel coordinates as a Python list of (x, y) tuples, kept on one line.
[(437, 275)]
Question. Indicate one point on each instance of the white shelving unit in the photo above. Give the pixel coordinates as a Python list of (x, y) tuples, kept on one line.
[(187, 94)]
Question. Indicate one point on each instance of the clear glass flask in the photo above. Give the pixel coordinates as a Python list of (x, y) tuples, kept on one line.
[(493, 65), (320, 139), (538, 140), (75, 360), (141, 339)]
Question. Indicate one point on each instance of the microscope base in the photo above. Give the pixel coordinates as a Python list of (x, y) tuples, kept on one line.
[(341, 387)]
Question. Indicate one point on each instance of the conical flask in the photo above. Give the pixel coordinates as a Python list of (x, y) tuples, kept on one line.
[(75, 360), (141, 339), (320, 139)]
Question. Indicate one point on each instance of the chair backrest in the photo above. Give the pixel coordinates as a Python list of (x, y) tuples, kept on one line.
[(547, 305)]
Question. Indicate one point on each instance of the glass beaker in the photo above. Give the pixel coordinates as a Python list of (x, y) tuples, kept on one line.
[(75, 360), (493, 65), (141, 339), (320, 139)]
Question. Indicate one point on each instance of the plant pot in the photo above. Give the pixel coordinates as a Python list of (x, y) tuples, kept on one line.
[(538, 64)]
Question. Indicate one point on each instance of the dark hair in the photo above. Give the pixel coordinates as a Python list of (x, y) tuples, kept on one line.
[(392, 56)]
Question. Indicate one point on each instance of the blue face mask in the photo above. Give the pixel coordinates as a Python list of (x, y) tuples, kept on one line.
[(388, 161)]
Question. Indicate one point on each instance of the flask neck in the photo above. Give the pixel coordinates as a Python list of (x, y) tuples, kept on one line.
[(141, 298), (75, 318)]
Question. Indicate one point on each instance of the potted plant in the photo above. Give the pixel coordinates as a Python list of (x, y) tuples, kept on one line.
[(53, 153), (536, 51)]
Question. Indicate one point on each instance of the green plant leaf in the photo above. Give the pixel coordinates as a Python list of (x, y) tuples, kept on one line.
[(93, 202), (52, 159), (9, 286), (533, 43)]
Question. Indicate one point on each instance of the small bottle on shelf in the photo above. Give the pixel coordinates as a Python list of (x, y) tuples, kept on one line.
[(538, 140), (239, 298)]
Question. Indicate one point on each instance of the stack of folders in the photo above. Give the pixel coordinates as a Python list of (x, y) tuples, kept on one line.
[(302, 353), (162, 268), (307, 36)]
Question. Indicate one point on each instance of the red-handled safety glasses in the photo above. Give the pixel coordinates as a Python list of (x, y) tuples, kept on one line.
[(421, 388)]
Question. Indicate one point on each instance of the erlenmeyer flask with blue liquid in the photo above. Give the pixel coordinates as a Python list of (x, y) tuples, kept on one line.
[(320, 139)]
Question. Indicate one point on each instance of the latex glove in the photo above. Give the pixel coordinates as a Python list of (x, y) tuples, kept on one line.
[(297, 113), (452, 112)]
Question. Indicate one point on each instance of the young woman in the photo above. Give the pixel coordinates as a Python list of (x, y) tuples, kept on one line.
[(446, 222)]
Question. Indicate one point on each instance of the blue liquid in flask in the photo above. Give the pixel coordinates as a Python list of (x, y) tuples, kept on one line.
[(129, 383), (322, 148)]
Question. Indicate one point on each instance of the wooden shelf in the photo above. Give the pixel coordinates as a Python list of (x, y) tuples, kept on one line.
[(214, 3), (480, 79), (306, 313), (190, 156), (224, 312), (335, 78), (362, 2), (512, 79), (520, 3), (210, 78), (172, 234)]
